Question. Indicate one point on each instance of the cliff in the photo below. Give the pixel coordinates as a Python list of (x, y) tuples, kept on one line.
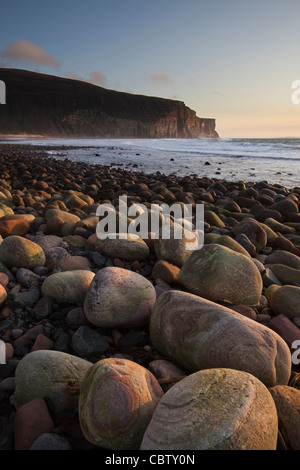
[(45, 105)]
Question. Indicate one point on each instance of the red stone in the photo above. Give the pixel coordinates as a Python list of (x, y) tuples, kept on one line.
[(285, 328), (42, 342), (31, 420), (119, 263), (26, 338), (92, 239), (136, 266)]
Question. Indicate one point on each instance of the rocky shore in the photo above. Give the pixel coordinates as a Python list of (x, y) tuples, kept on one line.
[(142, 344)]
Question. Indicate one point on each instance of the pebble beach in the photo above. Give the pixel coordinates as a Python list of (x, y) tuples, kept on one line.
[(143, 344)]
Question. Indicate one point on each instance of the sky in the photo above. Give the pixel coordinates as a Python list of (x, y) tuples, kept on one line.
[(232, 60)]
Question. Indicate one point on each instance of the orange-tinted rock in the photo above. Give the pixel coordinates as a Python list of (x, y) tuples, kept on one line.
[(116, 402), (75, 263), (13, 227), (3, 295), (165, 271), (4, 279)]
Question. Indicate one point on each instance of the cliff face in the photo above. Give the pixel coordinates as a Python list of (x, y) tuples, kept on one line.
[(57, 107)]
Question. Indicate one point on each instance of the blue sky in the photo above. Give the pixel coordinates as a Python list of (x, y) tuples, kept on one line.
[(234, 60)]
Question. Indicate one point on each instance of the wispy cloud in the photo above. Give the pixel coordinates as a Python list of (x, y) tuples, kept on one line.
[(28, 52), (74, 76), (97, 78), (159, 78)]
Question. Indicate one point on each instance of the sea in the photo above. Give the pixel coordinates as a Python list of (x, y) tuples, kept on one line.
[(276, 161)]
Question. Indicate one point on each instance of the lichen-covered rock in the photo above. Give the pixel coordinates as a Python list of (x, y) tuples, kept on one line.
[(214, 409), (225, 240), (286, 300), (119, 298), (199, 334), (117, 399), (50, 374), (68, 286), (287, 401), (19, 252), (220, 274)]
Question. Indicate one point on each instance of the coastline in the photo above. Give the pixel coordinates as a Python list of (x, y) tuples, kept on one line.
[(236, 160), (37, 191)]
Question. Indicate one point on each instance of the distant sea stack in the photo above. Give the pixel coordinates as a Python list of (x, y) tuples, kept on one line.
[(49, 106)]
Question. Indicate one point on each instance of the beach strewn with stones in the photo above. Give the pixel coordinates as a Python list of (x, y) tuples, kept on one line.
[(144, 343)]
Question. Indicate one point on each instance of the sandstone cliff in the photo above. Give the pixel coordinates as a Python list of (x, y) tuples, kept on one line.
[(58, 107)]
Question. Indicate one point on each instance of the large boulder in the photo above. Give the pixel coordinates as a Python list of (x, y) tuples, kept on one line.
[(19, 252), (50, 374), (117, 399), (214, 409), (119, 298), (199, 334), (220, 274), (68, 286)]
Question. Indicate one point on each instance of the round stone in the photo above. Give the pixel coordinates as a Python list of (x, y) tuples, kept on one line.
[(214, 409), (117, 399), (119, 298), (220, 274), (52, 374), (199, 334), (20, 252), (68, 286)]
